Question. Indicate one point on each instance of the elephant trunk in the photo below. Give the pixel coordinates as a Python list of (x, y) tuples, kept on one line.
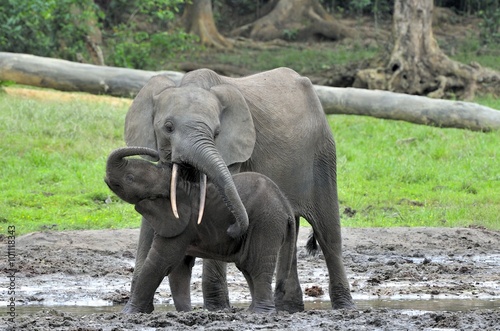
[(117, 158), (205, 157)]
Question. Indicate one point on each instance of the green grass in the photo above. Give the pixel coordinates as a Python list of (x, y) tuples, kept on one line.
[(52, 165), (390, 173), (399, 174), (472, 51)]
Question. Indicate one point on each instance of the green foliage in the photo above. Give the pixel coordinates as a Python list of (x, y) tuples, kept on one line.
[(358, 6), (379, 8), (490, 26), (163, 10), (470, 7), (140, 50), (27, 23), (45, 27), (290, 34), (159, 12), (59, 28), (132, 47)]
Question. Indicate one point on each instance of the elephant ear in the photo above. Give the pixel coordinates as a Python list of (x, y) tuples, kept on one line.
[(236, 139), (159, 215), (139, 120)]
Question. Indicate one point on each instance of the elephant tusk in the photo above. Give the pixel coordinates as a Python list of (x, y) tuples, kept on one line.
[(173, 189), (203, 195)]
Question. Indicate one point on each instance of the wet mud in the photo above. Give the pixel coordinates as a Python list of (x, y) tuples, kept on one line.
[(401, 279)]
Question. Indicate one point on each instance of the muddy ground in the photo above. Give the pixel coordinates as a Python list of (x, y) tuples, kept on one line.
[(401, 279)]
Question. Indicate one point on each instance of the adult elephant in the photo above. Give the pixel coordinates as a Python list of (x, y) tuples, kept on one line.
[(271, 123)]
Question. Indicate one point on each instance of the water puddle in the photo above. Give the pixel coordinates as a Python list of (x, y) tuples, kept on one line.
[(413, 307), (420, 305)]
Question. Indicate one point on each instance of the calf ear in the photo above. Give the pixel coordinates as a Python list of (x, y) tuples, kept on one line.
[(161, 218)]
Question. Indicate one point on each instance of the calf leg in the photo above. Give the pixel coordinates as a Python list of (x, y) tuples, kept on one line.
[(262, 292), (164, 255), (214, 285), (259, 274), (146, 236), (180, 282), (288, 293), (250, 287)]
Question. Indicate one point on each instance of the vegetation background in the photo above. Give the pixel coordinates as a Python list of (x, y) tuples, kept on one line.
[(390, 173)]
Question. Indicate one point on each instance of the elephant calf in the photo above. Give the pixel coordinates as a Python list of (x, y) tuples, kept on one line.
[(183, 234)]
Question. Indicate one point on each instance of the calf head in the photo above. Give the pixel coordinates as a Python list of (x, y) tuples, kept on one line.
[(145, 184)]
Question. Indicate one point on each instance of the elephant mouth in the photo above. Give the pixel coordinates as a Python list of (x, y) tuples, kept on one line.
[(152, 198), (192, 175), (188, 172), (155, 197)]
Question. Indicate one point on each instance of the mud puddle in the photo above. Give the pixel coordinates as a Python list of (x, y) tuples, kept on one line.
[(415, 306), (401, 278)]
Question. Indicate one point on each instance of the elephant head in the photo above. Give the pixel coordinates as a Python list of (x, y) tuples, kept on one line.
[(134, 180), (141, 183), (201, 129)]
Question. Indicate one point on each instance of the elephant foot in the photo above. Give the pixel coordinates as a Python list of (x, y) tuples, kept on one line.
[(290, 307), (341, 299), (262, 308), (343, 304), (133, 309), (214, 305), (288, 304), (290, 300)]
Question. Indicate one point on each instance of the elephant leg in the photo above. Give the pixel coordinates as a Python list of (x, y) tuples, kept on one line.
[(180, 282), (260, 284), (288, 293), (325, 222), (164, 255), (214, 285), (250, 287), (146, 235)]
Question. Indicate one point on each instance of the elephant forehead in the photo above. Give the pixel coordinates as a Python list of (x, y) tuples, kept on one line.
[(187, 99)]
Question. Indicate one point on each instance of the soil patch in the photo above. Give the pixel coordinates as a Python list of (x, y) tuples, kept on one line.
[(396, 265)]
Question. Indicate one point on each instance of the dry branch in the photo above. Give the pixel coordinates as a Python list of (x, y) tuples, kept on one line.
[(71, 76)]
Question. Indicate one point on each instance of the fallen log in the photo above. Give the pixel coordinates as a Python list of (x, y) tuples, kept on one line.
[(70, 76), (410, 108), (73, 76)]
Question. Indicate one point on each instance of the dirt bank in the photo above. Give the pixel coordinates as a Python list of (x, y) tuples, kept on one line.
[(401, 278)]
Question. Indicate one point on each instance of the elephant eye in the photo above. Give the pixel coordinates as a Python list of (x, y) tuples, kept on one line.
[(169, 126), (129, 178), (216, 133)]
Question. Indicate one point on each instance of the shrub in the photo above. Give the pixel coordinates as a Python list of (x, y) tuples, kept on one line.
[(46, 27), (141, 50)]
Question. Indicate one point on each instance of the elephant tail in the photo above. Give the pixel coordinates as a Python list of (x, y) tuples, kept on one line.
[(312, 245)]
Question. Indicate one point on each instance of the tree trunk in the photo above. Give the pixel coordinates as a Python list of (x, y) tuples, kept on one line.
[(198, 19), (418, 66), (295, 20), (93, 40), (71, 76)]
